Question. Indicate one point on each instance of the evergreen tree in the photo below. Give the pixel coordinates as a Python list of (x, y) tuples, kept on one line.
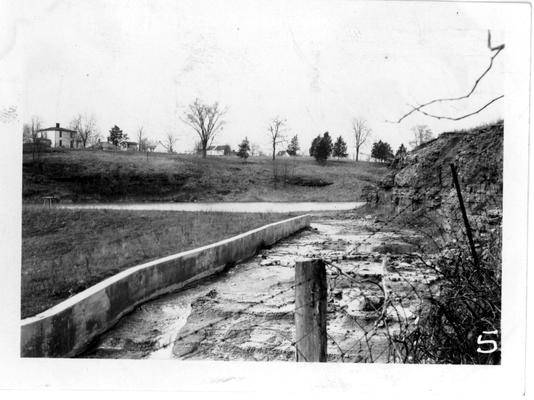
[(381, 151), (116, 136), (244, 149), (327, 143), (323, 148), (293, 147), (401, 151), (400, 156), (340, 148), (314, 145)]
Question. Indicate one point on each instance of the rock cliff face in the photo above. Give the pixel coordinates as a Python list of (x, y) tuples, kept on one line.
[(424, 180)]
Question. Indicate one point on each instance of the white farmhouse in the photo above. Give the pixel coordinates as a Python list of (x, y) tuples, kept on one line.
[(218, 150), (61, 137)]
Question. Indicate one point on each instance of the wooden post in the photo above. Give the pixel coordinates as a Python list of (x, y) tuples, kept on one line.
[(310, 310), (464, 214)]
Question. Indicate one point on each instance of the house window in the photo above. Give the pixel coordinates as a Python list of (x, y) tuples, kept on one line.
[(71, 144), (60, 135), (60, 142)]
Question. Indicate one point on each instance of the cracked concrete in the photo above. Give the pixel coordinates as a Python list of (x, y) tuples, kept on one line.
[(247, 312)]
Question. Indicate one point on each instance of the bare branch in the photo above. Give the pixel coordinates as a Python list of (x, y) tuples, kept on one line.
[(169, 142), (497, 50), (463, 116), (30, 130), (86, 127), (142, 141)]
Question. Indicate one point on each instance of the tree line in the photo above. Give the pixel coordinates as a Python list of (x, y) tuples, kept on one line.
[(207, 120)]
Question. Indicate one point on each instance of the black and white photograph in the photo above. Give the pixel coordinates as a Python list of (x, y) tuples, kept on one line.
[(266, 183)]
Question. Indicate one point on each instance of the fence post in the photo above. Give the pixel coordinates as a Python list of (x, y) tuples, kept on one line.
[(310, 310), (464, 214)]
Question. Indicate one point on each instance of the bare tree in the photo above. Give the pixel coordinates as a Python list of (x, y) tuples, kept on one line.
[(94, 138), (361, 133), (30, 134), (86, 127), (35, 125), (169, 142), (151, 145), (142, 141), (495, 50), (197, 149), (254, 149), (26, 133), (76, 123), (276, 133), (421, 134), (206, 120)]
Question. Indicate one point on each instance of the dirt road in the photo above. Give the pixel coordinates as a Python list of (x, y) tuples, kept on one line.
[(247, 312)]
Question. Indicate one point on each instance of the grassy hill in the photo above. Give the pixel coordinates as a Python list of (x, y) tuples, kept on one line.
[(131, 176)]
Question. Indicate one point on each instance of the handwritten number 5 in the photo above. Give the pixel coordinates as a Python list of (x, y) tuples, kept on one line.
[(491, 342)]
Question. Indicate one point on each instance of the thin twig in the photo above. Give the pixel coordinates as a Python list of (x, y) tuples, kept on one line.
[(497, 50)]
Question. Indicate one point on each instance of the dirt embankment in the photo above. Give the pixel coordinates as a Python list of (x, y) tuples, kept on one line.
[(423, 178)]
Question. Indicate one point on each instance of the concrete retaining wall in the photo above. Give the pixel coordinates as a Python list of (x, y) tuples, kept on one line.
[(67, 328)]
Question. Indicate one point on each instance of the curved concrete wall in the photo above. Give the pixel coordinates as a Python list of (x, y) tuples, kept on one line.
[(67, 328)]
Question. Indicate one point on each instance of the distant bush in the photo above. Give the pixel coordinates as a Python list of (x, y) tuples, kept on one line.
[(294, 146), (244, 149)]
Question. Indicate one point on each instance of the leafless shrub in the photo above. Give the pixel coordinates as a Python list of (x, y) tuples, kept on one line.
[(169, 142)]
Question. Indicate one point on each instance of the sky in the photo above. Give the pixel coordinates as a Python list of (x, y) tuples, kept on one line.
[(317, 64)]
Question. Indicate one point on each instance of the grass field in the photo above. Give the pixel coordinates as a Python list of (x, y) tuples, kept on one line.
[(66, 251), (131, 176)]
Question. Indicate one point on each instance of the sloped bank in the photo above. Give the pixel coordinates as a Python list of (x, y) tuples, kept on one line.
[(67, 328), (422, 179), (468, 268), (424, 175)]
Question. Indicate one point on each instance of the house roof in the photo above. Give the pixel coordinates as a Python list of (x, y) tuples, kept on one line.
[(55, 128), (224, 147)]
